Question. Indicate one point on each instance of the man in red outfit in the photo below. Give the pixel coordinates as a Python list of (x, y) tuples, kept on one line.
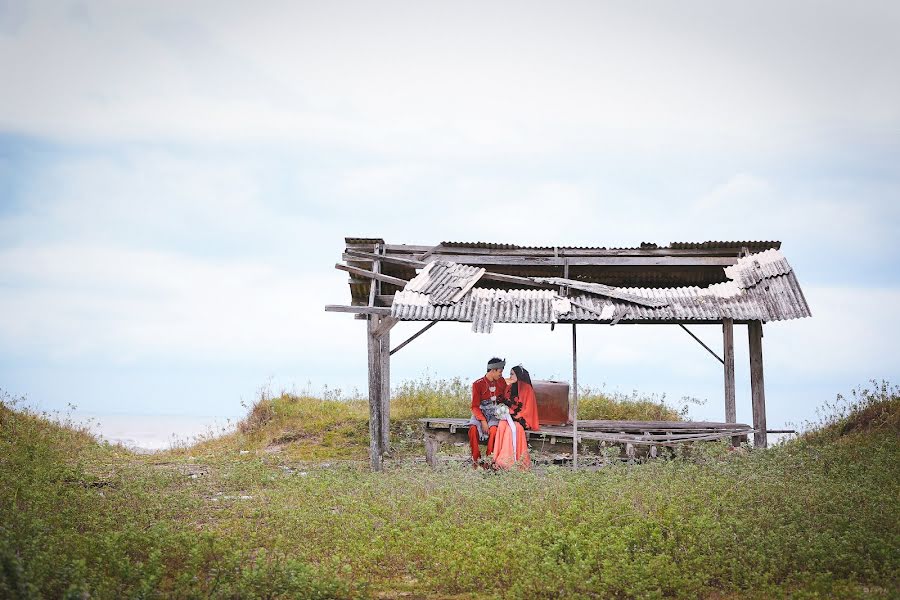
[(486, 393)]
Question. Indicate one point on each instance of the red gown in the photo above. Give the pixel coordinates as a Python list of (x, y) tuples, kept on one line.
[(524, 408)]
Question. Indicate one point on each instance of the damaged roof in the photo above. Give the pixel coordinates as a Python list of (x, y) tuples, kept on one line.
[(759, 287)]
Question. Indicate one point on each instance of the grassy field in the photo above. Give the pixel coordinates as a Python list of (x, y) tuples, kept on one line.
[(284, 508)]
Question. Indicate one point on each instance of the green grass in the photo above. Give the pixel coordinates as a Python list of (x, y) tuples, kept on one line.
[(813, 518)]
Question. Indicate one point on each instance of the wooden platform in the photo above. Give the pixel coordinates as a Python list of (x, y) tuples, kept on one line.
[(626, 433)]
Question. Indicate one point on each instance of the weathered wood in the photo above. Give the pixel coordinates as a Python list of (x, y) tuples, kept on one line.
[(728, 367), (385, 326), (376, 449), (404, 262), (371, 275), (516, 280), (429, 252), (600, 261), (374, 284), (385, 355), (558, 252), (757, 384), (699, 341), (602, 290), (574, 398), (360, 310), (414, 336), (431, 449)]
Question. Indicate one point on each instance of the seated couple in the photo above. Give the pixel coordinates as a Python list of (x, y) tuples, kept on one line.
[(502, 410)]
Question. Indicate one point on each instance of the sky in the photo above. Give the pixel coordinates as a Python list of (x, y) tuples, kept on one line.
[(177, 179)]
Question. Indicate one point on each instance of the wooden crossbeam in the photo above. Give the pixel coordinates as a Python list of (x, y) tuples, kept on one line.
[(371, 274), (360, 310)]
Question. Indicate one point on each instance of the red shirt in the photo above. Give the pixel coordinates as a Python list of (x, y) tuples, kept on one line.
[(481, 391)]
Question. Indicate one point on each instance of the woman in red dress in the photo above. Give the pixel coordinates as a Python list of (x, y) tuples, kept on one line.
[(510, 445)]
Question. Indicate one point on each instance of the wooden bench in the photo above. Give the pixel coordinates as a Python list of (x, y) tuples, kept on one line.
[(626, 433)]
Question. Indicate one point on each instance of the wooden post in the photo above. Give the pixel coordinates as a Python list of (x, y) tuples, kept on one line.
[(385, 343), (728, 343), (376, 449), (431, 448), (574, 399), (757, 385), (384, 356)]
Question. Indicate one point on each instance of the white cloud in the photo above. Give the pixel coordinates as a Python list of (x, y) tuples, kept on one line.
[(120, 305), (460, 80)]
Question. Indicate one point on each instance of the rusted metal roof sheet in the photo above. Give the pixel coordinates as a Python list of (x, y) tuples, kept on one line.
[(444, 282), (762, 287)]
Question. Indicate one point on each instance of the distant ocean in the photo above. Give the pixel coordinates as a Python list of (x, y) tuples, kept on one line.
[(154, 432)]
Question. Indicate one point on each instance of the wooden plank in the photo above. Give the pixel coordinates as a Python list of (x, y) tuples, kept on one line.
[(612, 425), (414, 336), (376, 450), (600, 261), (559, 251), (602, 290), (405, 262), (372, 275), (360, 310), (429, 252), (757, 384)]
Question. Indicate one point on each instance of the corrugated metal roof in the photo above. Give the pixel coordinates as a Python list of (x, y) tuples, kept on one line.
[(444, 282), (484, 307), (763, 288), (753, 246)]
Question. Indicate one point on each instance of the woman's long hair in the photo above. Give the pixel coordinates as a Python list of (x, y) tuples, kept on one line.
[(521, 375)]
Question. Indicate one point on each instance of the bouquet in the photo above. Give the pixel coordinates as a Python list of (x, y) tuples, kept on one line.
[(502, 411)]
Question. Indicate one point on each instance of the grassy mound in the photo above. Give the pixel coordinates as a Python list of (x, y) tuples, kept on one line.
[(815, 517), (332, 426)]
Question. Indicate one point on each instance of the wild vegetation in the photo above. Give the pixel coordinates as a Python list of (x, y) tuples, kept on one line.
[(284, 507)]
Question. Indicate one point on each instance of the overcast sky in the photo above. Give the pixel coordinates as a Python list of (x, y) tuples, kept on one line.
[(177, 178)]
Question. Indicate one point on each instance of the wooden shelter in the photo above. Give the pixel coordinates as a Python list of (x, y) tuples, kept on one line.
[(726, 283)]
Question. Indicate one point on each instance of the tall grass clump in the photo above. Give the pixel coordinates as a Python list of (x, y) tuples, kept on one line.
[(617, 406), (428, 397), (868, 408)]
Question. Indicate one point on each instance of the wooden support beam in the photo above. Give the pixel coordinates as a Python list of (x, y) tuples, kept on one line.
[(385, 326), (371, 274), (385, 355), (757, 383), (405, 262), (728, 367), (376, 449), (414, 336), (483, 259), (574, 399), (557, 252), (708, 349), (359, 310), (429, 252)]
